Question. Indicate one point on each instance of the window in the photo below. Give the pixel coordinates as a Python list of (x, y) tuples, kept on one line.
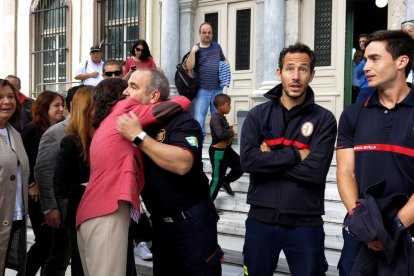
[(50, 52), (323, 32), (243, 27), (212, 18), (120, 26)]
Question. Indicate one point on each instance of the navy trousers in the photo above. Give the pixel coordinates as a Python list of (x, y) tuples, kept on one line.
[(348, 253), (187, 246), (303, 247)]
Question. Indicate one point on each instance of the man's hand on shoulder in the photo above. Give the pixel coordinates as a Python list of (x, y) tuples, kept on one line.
[(195, 48), (128, 125)]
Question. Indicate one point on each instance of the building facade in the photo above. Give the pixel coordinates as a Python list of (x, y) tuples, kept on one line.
[(43, 41)]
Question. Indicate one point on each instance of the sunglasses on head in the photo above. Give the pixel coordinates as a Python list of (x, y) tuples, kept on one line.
[(139, 49), (110, 74), (408, 21)]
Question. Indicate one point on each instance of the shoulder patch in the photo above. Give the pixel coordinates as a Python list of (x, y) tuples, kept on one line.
[(160, 136), (192, 140), (307, 129)]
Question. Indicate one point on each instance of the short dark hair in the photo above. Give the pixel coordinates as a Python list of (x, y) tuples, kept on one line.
[(221, 99), (145, 53), (205, 23), (105, 95), (298, 47), (19, 83), (111, 62), (70, 94), (398, 43), (362, 35)]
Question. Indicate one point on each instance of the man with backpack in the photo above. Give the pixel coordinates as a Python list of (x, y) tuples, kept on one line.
[(204, 58)]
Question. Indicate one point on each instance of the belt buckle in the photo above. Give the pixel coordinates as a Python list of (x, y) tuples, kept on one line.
[(168, 220)]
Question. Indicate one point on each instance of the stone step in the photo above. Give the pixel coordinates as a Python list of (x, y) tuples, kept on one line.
[(334, 209), (233, 224)]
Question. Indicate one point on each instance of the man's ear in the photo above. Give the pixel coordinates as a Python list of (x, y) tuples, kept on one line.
[(155, 96), (278, 73), (402, 61)]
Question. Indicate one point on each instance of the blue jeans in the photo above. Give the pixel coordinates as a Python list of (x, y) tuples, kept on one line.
[(200, 104), (303, 247)]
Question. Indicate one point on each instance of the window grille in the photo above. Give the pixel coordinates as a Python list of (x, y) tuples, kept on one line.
[(50, 51), (243, 28), (120, 27), (323, 32)]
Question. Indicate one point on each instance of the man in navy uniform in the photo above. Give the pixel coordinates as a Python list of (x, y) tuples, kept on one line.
[(376, 136)]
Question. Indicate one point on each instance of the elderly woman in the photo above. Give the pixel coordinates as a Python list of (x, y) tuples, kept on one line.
[(140, 58), (14, 177)]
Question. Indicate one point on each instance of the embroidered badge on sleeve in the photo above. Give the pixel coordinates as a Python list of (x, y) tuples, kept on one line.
[(192, 140)]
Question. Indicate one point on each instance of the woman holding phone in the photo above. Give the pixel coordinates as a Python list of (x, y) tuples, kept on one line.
[(140, 58)]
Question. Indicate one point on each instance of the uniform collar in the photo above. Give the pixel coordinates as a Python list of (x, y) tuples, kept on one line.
[(373, 99)]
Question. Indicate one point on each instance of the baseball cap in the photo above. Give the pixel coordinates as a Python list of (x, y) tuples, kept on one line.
[(95, 48)]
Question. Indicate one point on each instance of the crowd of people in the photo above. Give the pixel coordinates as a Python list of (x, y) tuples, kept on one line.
[(80, 166)]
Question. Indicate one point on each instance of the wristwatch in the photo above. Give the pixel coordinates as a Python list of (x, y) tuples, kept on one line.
[(139, 138), (398, 224)]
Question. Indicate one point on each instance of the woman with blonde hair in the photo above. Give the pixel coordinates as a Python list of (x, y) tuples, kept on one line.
[(72, 168)]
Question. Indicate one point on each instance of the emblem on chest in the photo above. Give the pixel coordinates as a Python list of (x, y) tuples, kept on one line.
[(306, 129)]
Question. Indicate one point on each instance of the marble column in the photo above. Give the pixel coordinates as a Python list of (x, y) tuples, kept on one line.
[(187, 14), (170, 44), (273, 42), (410, 9)]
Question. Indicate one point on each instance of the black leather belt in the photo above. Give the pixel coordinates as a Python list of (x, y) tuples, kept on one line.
[(194, 210)]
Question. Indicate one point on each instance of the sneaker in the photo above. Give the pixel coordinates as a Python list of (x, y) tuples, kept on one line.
[(143, 251), (227, 188)]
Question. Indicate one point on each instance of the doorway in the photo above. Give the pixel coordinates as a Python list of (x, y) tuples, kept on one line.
[(363, 17)]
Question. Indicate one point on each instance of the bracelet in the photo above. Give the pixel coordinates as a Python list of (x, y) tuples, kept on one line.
[(32, 185)]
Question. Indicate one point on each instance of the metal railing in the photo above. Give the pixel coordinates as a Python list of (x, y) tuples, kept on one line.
[(60, 87)]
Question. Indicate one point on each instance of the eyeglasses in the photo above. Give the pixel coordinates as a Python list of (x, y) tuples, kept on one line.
[(110, 74), (408, 22), (139, 49)]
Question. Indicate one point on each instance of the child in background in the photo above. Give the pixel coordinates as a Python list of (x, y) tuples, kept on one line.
[(222, 155)]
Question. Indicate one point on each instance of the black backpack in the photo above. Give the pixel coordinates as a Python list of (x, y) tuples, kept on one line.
[(186, 85)]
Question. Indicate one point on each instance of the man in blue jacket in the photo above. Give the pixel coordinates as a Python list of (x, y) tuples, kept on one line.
[(287, 146)]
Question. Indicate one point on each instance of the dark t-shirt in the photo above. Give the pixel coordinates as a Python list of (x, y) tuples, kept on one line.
[(383, 143), (167, 193)]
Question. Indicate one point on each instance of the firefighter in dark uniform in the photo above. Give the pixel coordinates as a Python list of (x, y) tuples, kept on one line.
[(287, 146), (176, 194), (376, 138)]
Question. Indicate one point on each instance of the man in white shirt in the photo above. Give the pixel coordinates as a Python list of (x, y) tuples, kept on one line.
[(90, 71)]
